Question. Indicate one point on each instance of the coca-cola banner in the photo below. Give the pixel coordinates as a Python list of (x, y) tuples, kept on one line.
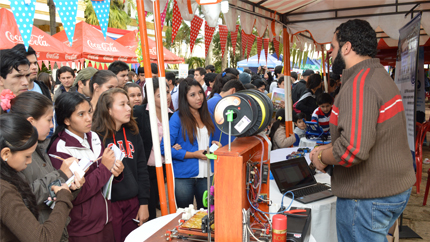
[(23, 12), (67, 11)]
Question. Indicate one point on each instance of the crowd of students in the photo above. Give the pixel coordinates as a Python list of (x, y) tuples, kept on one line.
[(44, 131)]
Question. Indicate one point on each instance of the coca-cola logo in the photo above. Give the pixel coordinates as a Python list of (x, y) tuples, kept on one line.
[(53, 56), (153, 51), (130, 47), (121, 58), (71, 57), (134, 60), (109, 58), (38, 55), (94, 57), (103, 46), (34, 40)]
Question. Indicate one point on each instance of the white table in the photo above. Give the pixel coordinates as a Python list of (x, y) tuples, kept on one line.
[(323, 221), (305, 142)]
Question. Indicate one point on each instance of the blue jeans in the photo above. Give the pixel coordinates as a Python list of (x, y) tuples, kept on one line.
[(188, 188), (364, 220)]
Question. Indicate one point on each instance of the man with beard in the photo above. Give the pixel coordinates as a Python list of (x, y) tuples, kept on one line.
[(33, 84), (373, 169), (66, 75)]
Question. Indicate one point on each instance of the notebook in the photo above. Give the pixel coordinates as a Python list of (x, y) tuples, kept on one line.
[(295, 175)]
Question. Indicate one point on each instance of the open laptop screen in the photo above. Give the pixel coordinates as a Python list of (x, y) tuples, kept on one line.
[(292, 174)]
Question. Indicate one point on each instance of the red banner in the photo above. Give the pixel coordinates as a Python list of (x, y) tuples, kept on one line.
[(266, 46), (196, 24), (259, 44), (276, 45), (176, 20), (251, 39), (233, 36), (223, 34)]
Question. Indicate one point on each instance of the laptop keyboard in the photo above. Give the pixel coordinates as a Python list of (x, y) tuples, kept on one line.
[(309, 190)]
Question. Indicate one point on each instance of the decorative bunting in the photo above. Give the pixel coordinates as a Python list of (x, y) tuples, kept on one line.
[(67, 10), (251, 39), (23, 11), (176, 20), (259, 44), (244, 41), (102, 12), (276, 45), (196, 24), (266, 46), (163, 14), (52, 63), (39, 62), (209, 32), (233, 36), (77, 64), (46, 64), (223, 34)]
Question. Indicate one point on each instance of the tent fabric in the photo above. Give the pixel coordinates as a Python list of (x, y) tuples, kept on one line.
[(46, 47), (129, 41), (272, 62), (90, 42)]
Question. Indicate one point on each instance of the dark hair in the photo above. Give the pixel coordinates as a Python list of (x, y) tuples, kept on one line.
[(130, 85), (281, 80), (188, 122), (156, 85), (65, 69), (11, 59), (191, 72), (103, 123), (100, 78), (233, 84), (21, 48), (248, 71), (259, 82), (46, 79), (17, 134), (278, 70), (232, 71), (30, 104), (170, 76), (209, 78), (154, 68), (314, 81), (361, 36), (250, 86), (280, 119), (294, 75), (118, 66), (65, 106), (201, 71), (299, 116), (180, 80), (140, 70), (210, 67), (270, 78), (220, 81), (324, 98)]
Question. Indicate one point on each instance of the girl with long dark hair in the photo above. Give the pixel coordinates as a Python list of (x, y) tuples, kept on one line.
[(114, 122), (220, 80), (19, 213), (91, 215), (102, 81), (192, 128), (38, 110), (277, 132)]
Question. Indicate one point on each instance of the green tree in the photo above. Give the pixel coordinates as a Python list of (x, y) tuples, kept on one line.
[(118, 18)]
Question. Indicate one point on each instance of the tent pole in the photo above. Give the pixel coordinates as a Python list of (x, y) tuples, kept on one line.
[(151, 102), (164, 108), (289, 128), (323, 68)]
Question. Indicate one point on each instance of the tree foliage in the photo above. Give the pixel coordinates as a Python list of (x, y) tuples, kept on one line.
[(118, 18)]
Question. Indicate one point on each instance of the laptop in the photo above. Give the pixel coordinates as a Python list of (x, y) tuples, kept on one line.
[(314, 130), (295, 175)]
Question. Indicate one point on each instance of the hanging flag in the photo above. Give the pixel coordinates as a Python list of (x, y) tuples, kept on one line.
[(196, 24), (46, 64), (233, 36), (67, 10), (276, 45), (209, 32), (23, 11), (102, 12), (244, 41), (251, 39), (259, 44), (52, 63), (266, 46), (39, 62), (163, 15), (223, 34), (176, 19)]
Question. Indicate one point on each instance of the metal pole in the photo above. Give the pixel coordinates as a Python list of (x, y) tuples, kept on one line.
[(323, 68), (209, 195), (287, 86), (151, 103), (164, 112)]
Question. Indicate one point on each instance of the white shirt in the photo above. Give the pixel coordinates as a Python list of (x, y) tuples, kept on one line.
[(84, 141), (175, 97), (273, 85), (203, 141)]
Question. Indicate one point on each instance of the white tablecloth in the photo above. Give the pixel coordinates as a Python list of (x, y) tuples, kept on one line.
[(305, 142), (323, 222)]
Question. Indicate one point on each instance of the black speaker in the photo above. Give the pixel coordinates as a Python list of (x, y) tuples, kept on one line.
[(298, 229)]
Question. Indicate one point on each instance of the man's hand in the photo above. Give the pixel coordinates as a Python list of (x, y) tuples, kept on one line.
[(142, 214), (314, 158)]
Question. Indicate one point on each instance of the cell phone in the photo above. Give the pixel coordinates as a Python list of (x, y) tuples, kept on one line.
[(54, 183), (135, 220)]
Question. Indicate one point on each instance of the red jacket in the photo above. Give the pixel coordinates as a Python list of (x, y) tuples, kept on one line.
[(91, 211)]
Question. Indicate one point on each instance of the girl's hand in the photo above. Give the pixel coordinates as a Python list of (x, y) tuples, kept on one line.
[(78, 183), (108, 158), (142, 214), (199, 155), (177, 147), (56, 189), (217, 143), (117, 168), (65, 166)]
